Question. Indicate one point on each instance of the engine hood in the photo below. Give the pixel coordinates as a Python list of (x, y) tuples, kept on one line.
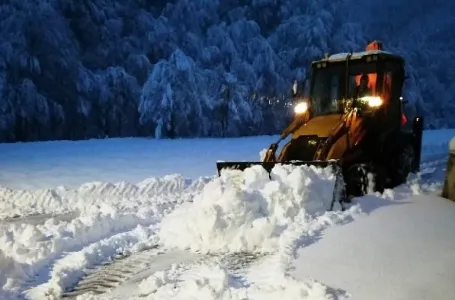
[(320, 126)]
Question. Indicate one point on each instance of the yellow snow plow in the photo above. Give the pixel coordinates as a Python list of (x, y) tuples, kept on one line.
[(350, 118)]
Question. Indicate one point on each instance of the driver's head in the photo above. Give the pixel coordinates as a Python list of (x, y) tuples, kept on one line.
[(364, 80)]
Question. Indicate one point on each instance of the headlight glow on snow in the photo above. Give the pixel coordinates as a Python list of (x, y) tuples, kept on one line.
[(373, 101), (301, 107)]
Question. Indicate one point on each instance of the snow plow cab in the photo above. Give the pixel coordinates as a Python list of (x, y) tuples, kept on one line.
[(349, 116)]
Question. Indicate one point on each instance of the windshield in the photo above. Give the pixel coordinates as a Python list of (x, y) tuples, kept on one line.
[(328, 96), (326, 92)]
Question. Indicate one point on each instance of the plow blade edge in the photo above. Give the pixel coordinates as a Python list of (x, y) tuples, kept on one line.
[(268, 166)]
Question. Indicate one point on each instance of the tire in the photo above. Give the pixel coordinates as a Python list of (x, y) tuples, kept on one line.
[(357, 181), (339, 193), (404, 165)]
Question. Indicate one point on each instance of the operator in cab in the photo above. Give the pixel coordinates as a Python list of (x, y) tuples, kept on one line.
[(362, 90)]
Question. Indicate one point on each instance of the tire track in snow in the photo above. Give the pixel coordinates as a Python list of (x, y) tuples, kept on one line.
[(124, 271), (107, 277)]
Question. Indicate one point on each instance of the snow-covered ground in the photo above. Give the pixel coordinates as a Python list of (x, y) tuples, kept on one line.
[(72, 163), (402, 250), (199, 236)]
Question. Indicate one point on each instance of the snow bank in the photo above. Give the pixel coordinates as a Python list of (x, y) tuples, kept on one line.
[(123, 196), (246, 211)]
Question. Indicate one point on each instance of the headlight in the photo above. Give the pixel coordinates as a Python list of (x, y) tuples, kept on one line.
[(301, 107), (372, 101)]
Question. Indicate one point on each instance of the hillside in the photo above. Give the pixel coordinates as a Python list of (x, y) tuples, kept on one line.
[(79, 69)]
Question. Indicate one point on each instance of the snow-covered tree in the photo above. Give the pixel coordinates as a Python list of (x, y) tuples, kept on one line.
[(78, 69), (171, 98)]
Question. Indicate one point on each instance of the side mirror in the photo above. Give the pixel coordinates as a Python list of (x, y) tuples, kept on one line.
[(301, 88), (295, 88)]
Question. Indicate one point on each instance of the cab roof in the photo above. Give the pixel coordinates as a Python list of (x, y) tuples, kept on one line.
[(375, 50), (339, 57)]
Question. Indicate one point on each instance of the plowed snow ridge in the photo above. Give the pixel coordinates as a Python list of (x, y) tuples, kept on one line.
[(123, 196)]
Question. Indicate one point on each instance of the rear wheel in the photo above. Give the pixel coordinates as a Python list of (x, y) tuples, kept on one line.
[(403, 165)]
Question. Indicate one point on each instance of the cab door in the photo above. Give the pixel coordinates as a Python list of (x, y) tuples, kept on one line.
[(391, 90)]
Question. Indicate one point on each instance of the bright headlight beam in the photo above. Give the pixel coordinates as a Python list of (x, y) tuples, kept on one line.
[(301, 107), (373, 101)]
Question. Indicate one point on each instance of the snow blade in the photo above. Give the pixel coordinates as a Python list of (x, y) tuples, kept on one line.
[(268, 166), (339, 192)]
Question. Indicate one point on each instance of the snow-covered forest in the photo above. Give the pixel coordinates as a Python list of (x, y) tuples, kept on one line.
[(77, 69)]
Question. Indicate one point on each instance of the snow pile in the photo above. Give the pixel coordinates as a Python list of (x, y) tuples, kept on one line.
[(246, 211)]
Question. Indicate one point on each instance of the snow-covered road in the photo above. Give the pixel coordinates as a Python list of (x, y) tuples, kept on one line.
[(210, 237)]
